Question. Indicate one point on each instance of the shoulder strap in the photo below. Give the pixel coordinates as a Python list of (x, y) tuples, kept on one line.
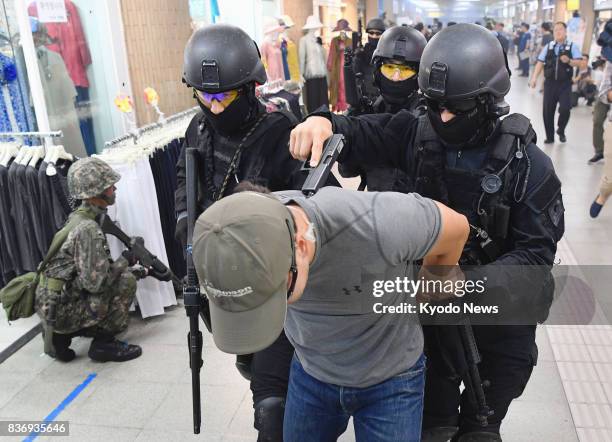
[(60, 237), (424, 131), (519, 126)]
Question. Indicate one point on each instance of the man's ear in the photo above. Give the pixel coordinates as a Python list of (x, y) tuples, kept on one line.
[(301, 246)]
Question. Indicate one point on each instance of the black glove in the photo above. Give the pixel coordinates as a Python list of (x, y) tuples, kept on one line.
[(180, 233), (130, 256)]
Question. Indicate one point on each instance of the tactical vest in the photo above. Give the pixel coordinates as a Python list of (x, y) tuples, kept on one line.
[(484, 195), (217, 154), (554, 69)]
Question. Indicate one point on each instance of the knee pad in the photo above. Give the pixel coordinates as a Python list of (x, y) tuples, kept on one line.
[(479, 436), (269, 414), (438, 434)]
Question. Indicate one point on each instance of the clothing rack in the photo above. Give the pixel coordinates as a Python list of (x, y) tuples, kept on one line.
[(52, 134), (40, 135), (134, 135)]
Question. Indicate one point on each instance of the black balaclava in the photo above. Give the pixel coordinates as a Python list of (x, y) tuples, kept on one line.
[(396, 92), (373, 42), (467, 130), (238, 116)]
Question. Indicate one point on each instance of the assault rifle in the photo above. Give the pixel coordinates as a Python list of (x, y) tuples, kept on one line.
[(194, 304), (354, 81), (154, 266), (474, 385)]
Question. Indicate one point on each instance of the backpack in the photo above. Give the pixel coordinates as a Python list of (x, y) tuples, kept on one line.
[(19, 295)]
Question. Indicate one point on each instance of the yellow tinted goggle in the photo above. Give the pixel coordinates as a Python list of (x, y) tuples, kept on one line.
[(223, 98), (389, 70)]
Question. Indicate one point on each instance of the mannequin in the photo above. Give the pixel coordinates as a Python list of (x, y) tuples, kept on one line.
[(312, 66), (335, 64), (291, 67), (271, 51)]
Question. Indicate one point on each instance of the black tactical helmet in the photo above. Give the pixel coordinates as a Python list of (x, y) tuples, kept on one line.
[(220, 57), (400, 43), (461, 62), (377, 24)]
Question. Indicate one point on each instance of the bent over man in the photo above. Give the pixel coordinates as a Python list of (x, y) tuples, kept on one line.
[(325, 255)]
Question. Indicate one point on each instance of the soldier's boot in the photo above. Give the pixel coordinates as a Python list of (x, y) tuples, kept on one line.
[(61, 344), (438, 434), (113, 350), (480, 436)]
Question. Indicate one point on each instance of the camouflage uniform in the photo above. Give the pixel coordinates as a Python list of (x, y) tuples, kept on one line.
[(97, 291)]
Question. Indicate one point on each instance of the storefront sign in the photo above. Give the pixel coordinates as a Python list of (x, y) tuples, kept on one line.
[(603, 4), (573, 5), (51, 11)]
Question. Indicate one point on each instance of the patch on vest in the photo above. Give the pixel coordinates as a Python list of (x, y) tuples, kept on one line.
[(555, 211)]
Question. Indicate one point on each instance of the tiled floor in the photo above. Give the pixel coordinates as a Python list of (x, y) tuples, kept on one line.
[(568, 398)]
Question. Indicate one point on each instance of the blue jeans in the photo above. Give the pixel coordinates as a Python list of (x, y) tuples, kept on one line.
[(390, 411)]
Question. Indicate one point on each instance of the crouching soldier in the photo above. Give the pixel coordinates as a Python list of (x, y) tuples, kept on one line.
[(82, 291)]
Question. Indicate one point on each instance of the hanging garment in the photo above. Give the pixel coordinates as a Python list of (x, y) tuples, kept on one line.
[(312, 58), (272, 60), (38, 232), (137, 213), (69, 41), (13, 112), (83, 108), (27, 247), (24, 87), (283, 47), (315, 94), (335, 66), (163, 165), (60, 94), (9, 246), (293, 61), (55, 203)]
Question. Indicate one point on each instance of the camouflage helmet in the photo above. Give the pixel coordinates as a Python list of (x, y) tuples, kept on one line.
[(90, 177)]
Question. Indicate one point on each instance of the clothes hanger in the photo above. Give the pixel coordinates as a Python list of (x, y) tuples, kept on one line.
[(20, 154), (58, 153), (37, 154), (9, 150), (26, 156)]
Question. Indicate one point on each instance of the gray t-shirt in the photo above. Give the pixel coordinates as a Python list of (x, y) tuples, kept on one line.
[(362, 237)]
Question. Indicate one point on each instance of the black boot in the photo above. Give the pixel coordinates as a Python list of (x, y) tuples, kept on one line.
[(480, 436), (438, 434), (61, 343), (105, 350)]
